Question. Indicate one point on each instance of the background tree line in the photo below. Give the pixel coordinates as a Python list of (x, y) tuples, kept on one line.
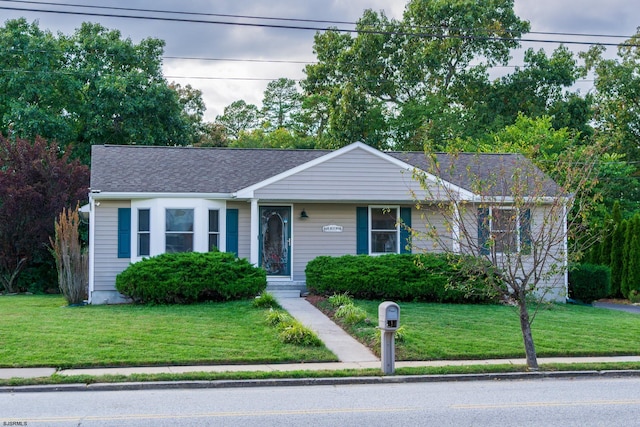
[(422, 82)]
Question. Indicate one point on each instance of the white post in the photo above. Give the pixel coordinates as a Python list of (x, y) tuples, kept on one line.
[(255, 231)]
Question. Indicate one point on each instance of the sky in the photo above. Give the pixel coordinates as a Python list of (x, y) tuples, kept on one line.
[(222, 81)]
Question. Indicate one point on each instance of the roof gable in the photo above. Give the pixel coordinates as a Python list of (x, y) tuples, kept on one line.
[(241, 172)]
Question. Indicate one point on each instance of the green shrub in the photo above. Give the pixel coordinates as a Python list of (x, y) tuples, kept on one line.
[(404, 277), (296, 333), (265, 300), (182, 278), (589, 282), (336, 300), (278, 317), (351, 314), (634, 296)]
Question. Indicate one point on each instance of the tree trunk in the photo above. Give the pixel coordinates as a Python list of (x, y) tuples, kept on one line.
[(525, 326)]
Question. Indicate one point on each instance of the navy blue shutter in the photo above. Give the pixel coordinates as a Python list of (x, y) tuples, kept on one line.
[(525, 232), (405, 241), (362, 230), (232, 231), (124, 232), (483, 230)]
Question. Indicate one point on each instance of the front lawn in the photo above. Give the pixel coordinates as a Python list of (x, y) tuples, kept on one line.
[(457, 331), (42, 331)]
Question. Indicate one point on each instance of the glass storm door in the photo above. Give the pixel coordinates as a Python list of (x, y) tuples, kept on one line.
[(275, 240)]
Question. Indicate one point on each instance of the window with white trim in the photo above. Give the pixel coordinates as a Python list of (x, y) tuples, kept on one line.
[(179, 230), (144, 232), (504, 229), (384, 230), (214, 229)]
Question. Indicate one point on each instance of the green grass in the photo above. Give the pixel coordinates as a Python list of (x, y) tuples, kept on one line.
[(455, 331), (42, 331)]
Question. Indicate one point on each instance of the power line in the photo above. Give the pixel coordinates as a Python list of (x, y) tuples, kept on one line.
[(277, 61), (309, 28), (268, 18)]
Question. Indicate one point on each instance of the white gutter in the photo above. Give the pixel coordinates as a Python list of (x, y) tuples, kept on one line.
[(102, 195)]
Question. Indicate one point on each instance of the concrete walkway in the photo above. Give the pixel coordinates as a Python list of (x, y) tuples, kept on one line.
[(330, 366), (343, 345)]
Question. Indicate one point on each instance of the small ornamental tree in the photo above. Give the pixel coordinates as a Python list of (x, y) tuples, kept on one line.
[(36, 182), (515, 217)]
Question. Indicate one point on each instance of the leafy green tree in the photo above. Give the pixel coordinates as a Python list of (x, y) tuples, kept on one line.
[(617, 257), (413, 66), (617, 83), (193, 108), (239, 117), (539, 88), (92, 87), (278, 138), (626, 256), (33, 83), (281, 104), (37, 180), (633, 280)]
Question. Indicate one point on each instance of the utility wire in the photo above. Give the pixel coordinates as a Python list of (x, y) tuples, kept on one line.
[(267, 18), (301, 27)]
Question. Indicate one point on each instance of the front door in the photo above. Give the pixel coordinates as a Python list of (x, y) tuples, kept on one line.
[(275, 240)]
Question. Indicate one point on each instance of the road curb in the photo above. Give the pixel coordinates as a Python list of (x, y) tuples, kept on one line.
[(300, 382)]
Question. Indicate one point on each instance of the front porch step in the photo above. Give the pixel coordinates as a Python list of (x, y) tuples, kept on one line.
[(287, 289), (285, 294)]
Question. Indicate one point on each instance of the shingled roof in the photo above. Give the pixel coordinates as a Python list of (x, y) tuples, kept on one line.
[(151, 169)]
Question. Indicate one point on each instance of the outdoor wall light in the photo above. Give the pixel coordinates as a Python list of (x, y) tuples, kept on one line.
[(303, 214)]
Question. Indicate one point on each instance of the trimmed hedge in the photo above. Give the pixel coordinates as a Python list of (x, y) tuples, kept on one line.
[(589, 282), (405, 277), (187, 277)]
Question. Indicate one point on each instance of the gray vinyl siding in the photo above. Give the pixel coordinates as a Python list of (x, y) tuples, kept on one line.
[(356, 175), (309, 241), (421, 221), (244, 227), (107, 265)]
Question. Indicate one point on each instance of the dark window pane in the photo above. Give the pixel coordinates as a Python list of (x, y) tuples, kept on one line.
[(384, 242), (143, 244), (179, 242), (383, 219), (213, 241), (503, 229), (143, 220), (213, 221), (179, 220)]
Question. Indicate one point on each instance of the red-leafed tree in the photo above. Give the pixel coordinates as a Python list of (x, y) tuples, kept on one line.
[(37, 180)]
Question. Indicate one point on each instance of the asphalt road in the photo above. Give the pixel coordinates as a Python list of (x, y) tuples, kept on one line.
[(547, 402)]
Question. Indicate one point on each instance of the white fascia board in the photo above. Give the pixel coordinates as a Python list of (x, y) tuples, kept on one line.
[(113, 195), (511, 200)]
